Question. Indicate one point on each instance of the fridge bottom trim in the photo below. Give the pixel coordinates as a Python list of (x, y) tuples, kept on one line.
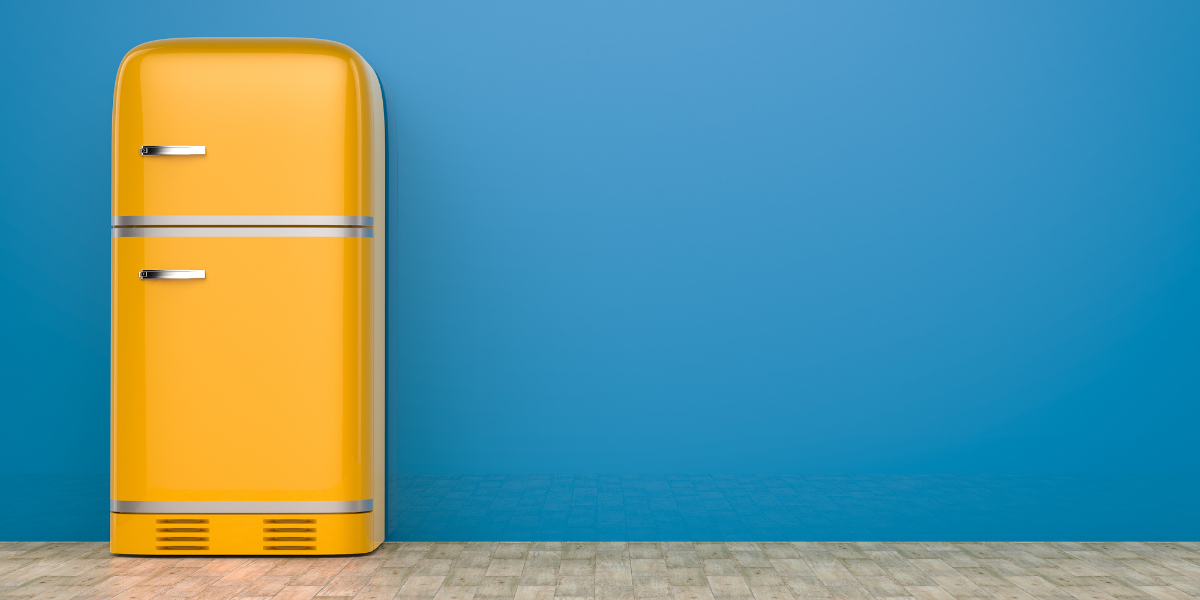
[(246, 534), (241, 506)]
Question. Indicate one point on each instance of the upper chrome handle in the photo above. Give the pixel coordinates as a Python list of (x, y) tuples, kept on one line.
[(169, 274), (170, 150)]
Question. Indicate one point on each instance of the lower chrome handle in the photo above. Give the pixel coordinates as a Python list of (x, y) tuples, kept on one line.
[(169, 274)]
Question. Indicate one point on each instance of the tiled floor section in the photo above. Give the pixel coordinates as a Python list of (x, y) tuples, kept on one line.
[(620, 571)]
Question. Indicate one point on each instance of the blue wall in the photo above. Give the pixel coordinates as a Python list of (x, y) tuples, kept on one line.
[(930, 270)]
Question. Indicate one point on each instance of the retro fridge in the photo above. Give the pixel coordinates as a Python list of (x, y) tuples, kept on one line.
[(247, 299)]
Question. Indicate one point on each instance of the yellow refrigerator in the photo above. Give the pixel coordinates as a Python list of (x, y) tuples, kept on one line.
[(247, 299)]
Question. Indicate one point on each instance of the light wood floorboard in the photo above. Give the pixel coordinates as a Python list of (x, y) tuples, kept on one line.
[(621, 571)]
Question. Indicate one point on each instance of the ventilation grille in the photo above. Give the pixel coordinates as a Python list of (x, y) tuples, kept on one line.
[(181, 534), (290, 534)]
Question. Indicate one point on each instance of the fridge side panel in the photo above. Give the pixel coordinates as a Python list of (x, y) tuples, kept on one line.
[(377, 172)]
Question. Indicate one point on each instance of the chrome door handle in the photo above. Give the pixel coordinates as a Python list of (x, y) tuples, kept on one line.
[(169, 274), (170, 150)]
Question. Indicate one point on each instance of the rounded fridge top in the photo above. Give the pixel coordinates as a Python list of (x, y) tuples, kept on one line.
[(247, 126)]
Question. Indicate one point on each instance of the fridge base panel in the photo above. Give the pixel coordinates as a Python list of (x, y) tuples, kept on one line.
[(243, 534)]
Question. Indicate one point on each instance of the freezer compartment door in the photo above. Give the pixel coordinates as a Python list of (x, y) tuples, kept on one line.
[(246, 127), (250, 383)]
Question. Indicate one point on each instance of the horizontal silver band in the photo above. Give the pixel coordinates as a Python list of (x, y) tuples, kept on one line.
[(262, 220), (241, 506), (242, 232)]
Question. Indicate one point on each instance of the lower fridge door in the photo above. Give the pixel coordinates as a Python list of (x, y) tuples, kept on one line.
[(241, 377)]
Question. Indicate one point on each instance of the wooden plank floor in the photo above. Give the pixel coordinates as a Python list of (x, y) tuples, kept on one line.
[(619, 571)]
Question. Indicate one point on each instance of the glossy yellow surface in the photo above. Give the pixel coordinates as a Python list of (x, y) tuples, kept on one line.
[(290, 127), (244, 534), (251, 384), (265, 380)]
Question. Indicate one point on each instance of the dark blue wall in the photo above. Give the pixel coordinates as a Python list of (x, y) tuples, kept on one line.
[(930, 270)]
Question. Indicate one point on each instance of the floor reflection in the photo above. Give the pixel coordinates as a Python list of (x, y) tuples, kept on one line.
[(792, 507), (705, 508)]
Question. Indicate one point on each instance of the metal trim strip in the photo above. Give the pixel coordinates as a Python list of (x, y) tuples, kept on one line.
[(241, 506), (242, 232), (299, 220)]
